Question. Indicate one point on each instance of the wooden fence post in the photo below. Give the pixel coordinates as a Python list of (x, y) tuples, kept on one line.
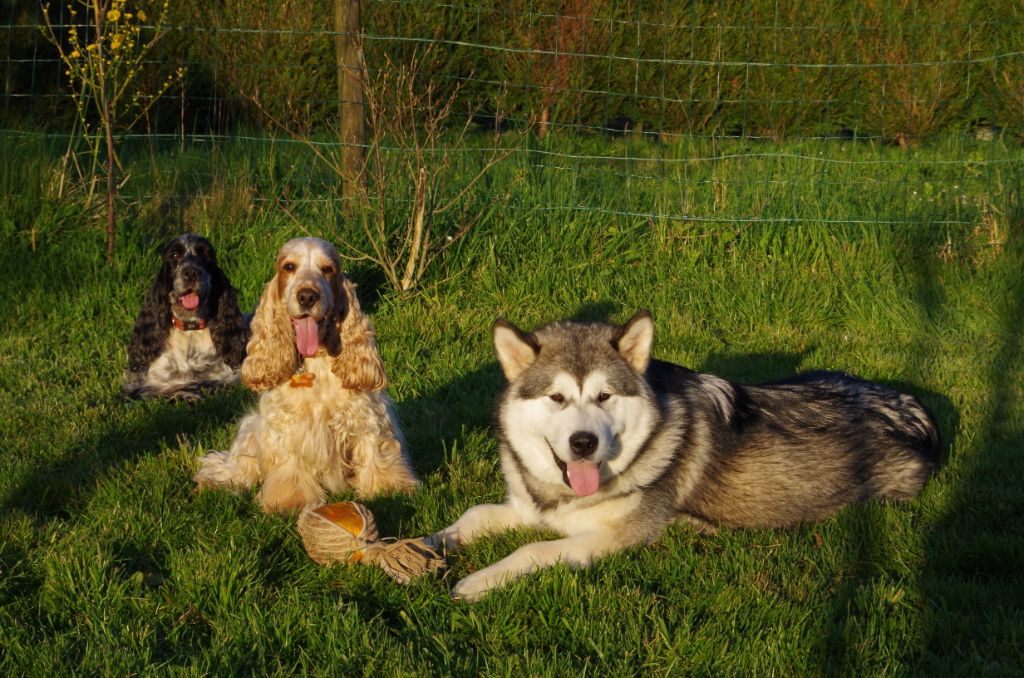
[(348, 49)]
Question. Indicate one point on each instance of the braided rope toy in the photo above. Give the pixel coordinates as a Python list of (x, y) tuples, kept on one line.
[(346, 532)]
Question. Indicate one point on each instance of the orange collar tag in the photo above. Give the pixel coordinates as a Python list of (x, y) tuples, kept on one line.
[(301, 380)]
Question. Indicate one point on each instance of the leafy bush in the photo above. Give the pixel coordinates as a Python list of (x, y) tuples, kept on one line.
[(896, 69)]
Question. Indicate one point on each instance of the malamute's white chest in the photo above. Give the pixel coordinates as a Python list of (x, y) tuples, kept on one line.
[(582, 516)]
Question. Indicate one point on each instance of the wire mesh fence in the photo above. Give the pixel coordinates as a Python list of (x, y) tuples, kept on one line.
[(722, 112)]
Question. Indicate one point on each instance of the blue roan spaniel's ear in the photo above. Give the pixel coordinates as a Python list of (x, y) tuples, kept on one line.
[(153, 323), (228, 326)]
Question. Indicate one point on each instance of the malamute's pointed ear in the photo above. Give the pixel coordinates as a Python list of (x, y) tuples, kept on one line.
[(634, 341), (516, 349)]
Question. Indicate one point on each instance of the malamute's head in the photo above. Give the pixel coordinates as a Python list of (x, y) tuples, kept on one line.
[(577, 409)]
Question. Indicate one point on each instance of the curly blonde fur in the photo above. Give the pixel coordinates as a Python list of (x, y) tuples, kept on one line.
[(359, 365), (340, 432), (271, 356)]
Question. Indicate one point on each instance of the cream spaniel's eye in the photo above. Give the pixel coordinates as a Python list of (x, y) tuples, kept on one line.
[(327, 269), (288, 267)]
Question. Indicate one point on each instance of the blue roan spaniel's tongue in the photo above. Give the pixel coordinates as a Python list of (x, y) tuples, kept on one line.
[(584, 477), (189, 301), (307, 336)]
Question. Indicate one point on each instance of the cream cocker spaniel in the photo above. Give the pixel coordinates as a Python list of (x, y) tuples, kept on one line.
[(323, 422)]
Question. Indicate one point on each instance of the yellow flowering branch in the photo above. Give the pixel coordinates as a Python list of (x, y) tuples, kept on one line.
[(104, 51)]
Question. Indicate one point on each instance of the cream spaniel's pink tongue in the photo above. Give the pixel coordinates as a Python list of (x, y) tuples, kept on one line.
[(307, 338), (189, 301), (584, 477)]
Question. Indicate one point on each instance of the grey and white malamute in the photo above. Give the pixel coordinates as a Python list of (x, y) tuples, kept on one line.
[(607, 446)]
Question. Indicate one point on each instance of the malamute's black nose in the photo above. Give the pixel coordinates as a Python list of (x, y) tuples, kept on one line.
[(307, 297), (583, 443)]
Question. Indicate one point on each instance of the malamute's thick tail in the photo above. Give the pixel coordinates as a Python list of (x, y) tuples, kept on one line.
[(913, 458), (922, 426)]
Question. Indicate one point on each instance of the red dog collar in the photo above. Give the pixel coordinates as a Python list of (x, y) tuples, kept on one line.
[(190, 325)]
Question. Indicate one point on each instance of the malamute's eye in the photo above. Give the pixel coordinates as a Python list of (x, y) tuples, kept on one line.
[(603, 396), (557, 397)]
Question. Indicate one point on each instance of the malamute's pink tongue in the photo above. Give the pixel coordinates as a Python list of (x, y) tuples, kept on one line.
[(584, 477), (307, 337), (189, 301)]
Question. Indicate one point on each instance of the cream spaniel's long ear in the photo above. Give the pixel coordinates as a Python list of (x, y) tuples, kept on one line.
[(357, 363), (271, 356)]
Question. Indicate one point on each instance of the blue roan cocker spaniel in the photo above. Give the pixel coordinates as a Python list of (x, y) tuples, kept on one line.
[(190, 334)]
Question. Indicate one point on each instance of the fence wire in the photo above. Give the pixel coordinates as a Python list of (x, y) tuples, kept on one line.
[(705, 112)]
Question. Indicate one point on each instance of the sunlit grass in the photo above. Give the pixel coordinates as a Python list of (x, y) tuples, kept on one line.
[(110, 564)]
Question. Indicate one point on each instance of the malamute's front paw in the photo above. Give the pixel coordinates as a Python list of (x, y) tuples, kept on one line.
[(515, 566), (446, 540), (477, 585)]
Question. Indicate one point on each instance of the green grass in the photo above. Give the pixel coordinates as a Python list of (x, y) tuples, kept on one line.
[(111, 564)]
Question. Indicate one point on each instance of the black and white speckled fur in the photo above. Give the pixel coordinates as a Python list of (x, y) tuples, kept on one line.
[(676, 445), (165, 361)]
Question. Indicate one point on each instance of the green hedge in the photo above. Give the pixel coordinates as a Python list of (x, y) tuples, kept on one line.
[(895, 69)]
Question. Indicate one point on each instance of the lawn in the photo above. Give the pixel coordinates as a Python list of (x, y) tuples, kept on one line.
[(757, 261)]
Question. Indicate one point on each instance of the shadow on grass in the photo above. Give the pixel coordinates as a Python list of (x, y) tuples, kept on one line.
[(865, 551), (870, 553), (61, 488), (971, 590), (371, 285), (755, 367), (39, 268), (865, 569), (439, 420), (51, 271), (971, 581)]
